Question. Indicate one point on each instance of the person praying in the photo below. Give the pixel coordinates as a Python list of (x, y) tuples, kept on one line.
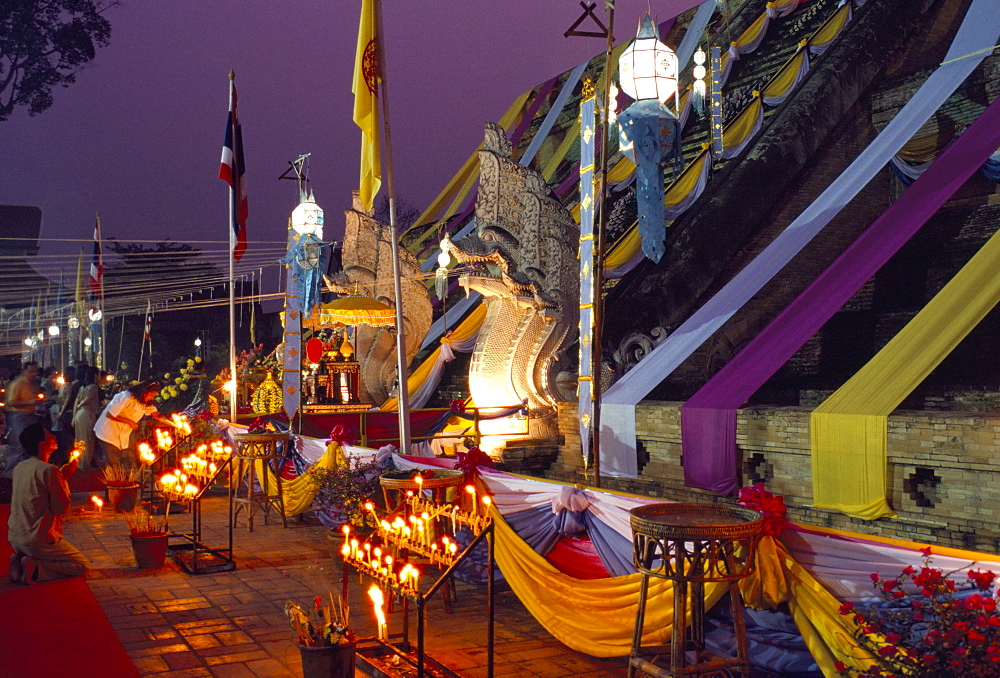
[(40, 498)]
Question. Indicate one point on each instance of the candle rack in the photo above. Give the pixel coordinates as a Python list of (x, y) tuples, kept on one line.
[(192, 554), (385, 559)]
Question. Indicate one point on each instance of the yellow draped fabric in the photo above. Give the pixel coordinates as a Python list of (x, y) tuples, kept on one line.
[(849, 428), (468, 173), (624, 249), (298, 494), (571, 139), (753, 32), (464, 331), (832, 27), (594, 616), (779, 579), (688, 180), (924, 148), (786, 77), (744, 125)]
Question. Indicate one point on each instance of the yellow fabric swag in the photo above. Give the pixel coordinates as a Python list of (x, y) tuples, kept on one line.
[(849, 428)]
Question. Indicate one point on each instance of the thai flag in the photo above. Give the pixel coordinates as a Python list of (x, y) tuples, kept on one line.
[(96, 279), (232, 170)]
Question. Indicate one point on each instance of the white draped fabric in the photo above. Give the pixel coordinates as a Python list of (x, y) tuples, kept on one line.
[(978, 33), (423, 393)]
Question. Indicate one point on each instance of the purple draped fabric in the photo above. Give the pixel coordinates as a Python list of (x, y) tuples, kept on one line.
[(708, 419)]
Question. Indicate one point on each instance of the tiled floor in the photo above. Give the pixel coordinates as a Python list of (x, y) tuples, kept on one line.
[(233, 623)]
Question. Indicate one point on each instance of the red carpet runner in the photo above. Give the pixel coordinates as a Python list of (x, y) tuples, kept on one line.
[(54, 629)]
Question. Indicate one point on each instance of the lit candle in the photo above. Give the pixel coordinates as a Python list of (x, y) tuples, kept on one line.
[(487, 502), (98, 502), (74, 455), (472, 491), (378, 600)]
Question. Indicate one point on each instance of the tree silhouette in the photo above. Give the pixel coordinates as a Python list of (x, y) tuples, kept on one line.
[(44, 43)]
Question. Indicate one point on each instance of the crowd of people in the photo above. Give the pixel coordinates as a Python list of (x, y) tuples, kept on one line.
[(46, 415)]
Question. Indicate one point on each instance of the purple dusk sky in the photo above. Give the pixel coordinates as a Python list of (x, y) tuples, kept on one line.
[(138, 137)]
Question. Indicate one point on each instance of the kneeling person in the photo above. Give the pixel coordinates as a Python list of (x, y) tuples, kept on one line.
[(40, 498)]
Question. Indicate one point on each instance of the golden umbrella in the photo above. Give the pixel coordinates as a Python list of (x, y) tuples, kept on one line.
[(352, 310)]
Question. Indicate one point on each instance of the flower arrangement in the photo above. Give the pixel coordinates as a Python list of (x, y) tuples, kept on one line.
[(926, 625), (143, 524), (116, 475), (344, 489), (323, 625), (174, 385)]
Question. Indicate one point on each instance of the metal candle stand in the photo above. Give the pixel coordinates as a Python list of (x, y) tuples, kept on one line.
[(192, 554), (692, 545), (424, 664)]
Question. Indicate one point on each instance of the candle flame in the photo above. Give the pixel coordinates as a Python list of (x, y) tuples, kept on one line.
[(378, 600)]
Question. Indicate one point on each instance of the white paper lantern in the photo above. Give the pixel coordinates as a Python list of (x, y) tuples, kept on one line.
[(307, 218), (648, 68)]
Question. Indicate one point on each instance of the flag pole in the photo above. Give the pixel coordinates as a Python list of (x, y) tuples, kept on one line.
[(103, 306), (403, 395), (602, 224), (232, 260)]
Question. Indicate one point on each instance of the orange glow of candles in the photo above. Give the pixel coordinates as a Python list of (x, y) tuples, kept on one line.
[(74, 454), (419, 480), (378, 601), (146, 455), (98, 502), (487, 502), (41, 396)]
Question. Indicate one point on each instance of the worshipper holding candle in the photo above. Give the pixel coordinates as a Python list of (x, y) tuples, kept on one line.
[(86, 406), (122, 416), (40, 498)]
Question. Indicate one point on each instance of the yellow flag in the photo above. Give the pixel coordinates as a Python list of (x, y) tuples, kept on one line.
[(365, 88)]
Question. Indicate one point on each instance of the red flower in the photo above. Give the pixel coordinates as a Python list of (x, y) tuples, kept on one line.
[(847, 608), (874, 577), (840, 666), (926, 552), (982, 579)]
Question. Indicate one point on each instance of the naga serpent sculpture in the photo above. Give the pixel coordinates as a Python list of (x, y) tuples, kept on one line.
[(522, 259)]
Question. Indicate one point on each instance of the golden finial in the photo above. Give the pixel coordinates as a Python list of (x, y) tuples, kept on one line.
[(588, 91)]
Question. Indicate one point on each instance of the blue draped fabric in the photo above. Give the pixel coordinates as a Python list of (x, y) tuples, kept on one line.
[(541, 530), (991, 168)]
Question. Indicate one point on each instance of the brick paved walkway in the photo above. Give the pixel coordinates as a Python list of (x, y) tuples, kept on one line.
[(232, 624)]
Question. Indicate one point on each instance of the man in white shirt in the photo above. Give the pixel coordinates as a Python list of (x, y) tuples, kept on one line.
[(122, 416)]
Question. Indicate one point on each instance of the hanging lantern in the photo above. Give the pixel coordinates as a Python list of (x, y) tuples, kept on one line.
[(648, 132), (307, 252), (648, 68), (307, 218), (53, 330), (699, 81), (441, 274), (73, 322)]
